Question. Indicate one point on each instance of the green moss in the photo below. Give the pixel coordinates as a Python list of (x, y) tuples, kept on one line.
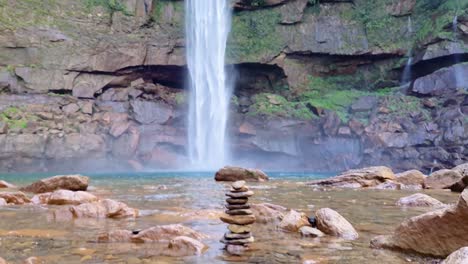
[(110, 5), (405, 105), (181, 98), (254, 36), (272, 105), (14, 117)]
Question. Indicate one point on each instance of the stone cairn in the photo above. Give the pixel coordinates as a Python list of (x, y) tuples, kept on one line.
[(240, 219)]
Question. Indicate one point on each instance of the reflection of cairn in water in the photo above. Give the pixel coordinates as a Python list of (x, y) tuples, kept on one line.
[(240, 219)]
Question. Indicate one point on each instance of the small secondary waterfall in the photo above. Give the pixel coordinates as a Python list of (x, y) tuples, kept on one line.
[(406, 77), (207, 30), (459, 76)]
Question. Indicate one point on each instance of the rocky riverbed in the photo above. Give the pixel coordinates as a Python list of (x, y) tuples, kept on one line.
[(196, 202)]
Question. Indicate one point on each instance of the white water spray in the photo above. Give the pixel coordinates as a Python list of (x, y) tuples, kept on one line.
[(207, 30), (406, 77)]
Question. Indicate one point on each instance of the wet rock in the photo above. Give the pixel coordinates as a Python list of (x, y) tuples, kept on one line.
[(411, 177), (185, 246), (4, 184), (460, 185), (237, 174), (307, 231), (332, 223), (3, 202), (458, 257), (442, 179), (102, 209), (268, 213), (418, 200), (66, 182), (151, 235), (238, 219), (240, 228), (64, 197), (17, 198), (293, 221), (436, 233), (366, 177)]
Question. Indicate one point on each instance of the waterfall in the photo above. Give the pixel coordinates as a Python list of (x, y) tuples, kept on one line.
[(410, 26), (207, 29), (459, 76), (406, 77)]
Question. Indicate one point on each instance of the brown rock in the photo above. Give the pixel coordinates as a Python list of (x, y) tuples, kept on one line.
[(458, 257), (2, 261), (66, 182), (240, 229), (366, 177), (237, 206), (462, 169), (293, 221), (237, 174), (332, 223), (238, 241), (411, 177), (442, 179), (230, 235), (238, 219), (3, 202), (239, 212), (243, 189), (185, 246), (236, 250), (418, 199), (388, 185), (101, 209), (240, 194), (307, 231), (4, 184), (33, 260), (64, 197), (115, 236), (268, 213), (436, 233), (42, 198), (236, 201), (238, 185), (17, 198)]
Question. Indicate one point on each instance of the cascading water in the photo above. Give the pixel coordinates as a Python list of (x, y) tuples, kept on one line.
[(406, 77), (207, 30), (459, 76)]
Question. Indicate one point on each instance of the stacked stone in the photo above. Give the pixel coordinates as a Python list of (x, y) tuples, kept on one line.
[(239, 217)]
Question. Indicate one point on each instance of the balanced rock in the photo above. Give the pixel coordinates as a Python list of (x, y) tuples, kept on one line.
[(238, 185), (239, 212), (237, 174), (238, 241), (458, 257), (332, 223), (4, 184), (231, 235), (240, 201), (240, 229), (238, 219), (237, 206), (359, 178), (442, 179), (65, 182), (17, 198), (436, 233), (418, 199), (239, 195)]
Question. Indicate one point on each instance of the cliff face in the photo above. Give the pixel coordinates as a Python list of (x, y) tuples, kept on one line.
[(99, 84)]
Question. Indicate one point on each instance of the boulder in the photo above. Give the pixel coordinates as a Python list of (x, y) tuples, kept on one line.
[(411, 177), (2, 261), (66, 182), (366, 177), (437, 233), (41, 198), (147, 112), (462, 169), (332, 223), (185, 246), (458, 257), (441, 82), (64, 197), (442, 179), (268, 213), (101, 209), (237, 174), (293, 221), (463, 182), (17, 198), (4, 184), (418, 200), (3, 202)]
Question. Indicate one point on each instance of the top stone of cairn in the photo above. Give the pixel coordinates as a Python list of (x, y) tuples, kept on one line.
[(238, 185)]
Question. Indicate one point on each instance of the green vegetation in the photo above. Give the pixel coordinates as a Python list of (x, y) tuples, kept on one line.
[(275, 105), (14, 118), (181, 98), (111, 6), (406, 105), (254, 35), (174, 23)]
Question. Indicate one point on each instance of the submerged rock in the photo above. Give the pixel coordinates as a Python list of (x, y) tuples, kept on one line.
[(293, 221), (332, 223), (101, 209), (366, 177), (458, 257), (66, 182), (65, 197), (436, 233), (307, 231), (418, 199), (442, 179), (17, 198), (237, 174), (185, 246), (4, 184)]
